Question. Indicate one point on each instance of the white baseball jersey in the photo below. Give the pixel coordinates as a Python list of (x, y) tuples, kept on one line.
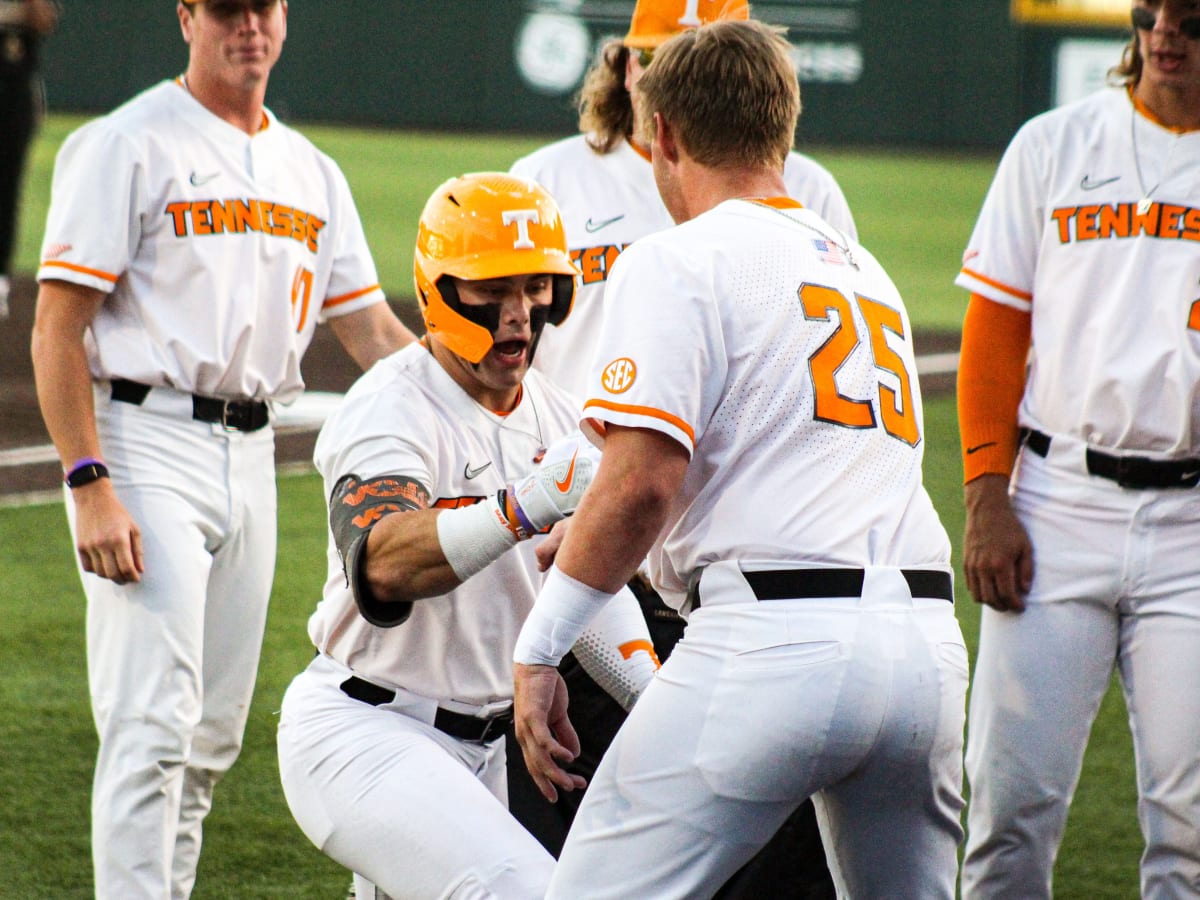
[(407, 417), (221, 255), (610, 200), (1062, 222), (821, 325)]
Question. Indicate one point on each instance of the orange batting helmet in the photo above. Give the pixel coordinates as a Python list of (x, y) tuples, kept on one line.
[(655, 21), (487, 225)]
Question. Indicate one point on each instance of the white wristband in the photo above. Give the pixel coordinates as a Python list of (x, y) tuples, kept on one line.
[(472, 537), (563, 609)]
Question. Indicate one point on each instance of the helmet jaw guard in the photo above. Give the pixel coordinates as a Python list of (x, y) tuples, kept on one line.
[(487, 225)]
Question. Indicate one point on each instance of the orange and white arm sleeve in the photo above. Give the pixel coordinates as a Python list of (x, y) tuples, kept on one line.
[(991, 381)]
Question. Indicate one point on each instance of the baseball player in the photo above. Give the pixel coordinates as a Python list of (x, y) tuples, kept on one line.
[(1079, 409), (762, 435), (604, 184), (440, 465), (193, 242)]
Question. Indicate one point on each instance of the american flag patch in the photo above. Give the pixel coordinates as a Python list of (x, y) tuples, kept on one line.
[(830, 252)]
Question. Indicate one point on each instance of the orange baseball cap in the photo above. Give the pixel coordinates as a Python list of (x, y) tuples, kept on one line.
[(655, 21)]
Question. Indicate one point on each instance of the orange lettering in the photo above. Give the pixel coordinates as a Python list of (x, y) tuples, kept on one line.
[(1085, 223), (370, 516), (591, 265), (1191, 225), (249, 216), (1147, 223), (201, 223), (1171, 222), (281, 221), (178, 214), (222, 216), (314, 228), (1063, 218), (1114, 220)]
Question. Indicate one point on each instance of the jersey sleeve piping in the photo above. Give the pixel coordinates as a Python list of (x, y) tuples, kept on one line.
[(95, 273), (1018, 298), (676, 423), (346, 298)]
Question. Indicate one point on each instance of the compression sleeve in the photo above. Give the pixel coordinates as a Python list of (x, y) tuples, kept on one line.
[(991, 381)]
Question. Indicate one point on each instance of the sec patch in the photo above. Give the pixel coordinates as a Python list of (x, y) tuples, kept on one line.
[(619, 375)]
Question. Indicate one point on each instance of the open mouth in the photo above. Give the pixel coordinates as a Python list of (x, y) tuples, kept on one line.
[(510, 351)]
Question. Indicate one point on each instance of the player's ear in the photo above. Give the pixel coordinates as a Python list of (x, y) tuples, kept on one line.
[(185, 22), (283, 4), (664, 139)]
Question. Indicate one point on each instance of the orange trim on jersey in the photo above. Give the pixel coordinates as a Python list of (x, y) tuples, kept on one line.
[(346, 298), (1141, 107), (645, 411), (644, 154), (50, 263), (777, 202), (1023, 295), (508, 412)]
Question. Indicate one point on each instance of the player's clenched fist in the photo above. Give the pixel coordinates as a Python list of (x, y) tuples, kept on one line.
[(554, 488)]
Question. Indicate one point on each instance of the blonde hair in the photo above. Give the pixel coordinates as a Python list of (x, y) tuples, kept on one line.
[(730, 92)]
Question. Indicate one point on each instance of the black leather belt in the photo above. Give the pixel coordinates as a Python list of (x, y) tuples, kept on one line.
[(1136, 472), (236, 415), (460, 725), (802, 584)]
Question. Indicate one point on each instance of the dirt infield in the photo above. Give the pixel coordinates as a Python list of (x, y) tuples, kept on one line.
[(27, 461)]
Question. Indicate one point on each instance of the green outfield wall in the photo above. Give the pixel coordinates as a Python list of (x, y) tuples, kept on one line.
[(936, 73)]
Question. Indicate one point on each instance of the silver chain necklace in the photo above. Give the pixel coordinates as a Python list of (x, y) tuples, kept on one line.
[(842, 245), (1143, 205)]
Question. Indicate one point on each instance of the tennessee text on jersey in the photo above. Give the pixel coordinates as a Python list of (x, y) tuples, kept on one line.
[(237, 216)]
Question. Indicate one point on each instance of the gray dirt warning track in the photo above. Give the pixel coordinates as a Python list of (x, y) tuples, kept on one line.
[(29, 468)]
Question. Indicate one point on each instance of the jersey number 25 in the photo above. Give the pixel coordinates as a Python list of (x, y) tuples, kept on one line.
[(895, 407)]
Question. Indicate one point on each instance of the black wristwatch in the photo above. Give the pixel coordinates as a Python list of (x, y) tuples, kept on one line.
[(85, 472)]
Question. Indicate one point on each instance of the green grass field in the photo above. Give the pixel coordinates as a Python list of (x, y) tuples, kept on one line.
[(915, 212)]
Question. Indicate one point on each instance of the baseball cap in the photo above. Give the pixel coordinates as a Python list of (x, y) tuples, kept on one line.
[(656, 21)]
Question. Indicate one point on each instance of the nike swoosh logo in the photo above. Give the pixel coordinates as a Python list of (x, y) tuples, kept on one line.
[(469, 473), (1088, 185), (592, 227), (971, 450), (569, 478), (200, 180)]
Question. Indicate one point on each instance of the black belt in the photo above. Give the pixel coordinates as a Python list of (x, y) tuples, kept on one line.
[(460, 725), (1137, 472), (802, 584), (236, 415)]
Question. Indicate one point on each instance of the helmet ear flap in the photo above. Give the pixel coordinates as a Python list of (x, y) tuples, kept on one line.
[(563, 299)]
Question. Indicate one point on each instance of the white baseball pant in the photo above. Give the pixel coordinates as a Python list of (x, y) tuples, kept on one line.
[(856, 702), (172, 659), (418, 813), (1116, 582)]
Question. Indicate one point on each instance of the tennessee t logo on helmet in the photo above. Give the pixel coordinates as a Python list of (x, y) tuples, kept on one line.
[(487, 225), (656, 21)]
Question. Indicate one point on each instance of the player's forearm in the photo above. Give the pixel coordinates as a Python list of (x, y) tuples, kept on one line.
[(405, 560), (371, 334), (61, 372), (625, 508)]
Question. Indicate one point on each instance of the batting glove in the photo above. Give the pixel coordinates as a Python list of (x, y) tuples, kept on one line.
[(554, 488)]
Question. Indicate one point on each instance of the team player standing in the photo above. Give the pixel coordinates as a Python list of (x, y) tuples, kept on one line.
[(192, 245), (1079, 396), (822, 656)]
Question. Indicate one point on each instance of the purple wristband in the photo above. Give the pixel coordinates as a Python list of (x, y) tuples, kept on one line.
[(80, 463)]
